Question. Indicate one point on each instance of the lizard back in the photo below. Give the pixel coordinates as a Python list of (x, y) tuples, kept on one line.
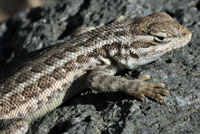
[(43, 82)]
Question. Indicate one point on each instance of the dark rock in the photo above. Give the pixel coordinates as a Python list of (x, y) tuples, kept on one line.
[(27, 33)]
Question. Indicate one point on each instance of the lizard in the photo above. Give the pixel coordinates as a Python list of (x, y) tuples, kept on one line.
[(89, 60)]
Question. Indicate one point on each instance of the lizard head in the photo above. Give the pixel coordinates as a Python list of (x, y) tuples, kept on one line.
[(153, 36)]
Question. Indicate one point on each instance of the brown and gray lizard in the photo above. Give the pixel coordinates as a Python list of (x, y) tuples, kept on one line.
[(93, 58)]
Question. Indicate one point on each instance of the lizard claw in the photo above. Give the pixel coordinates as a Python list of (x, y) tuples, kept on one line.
[(152, 90)]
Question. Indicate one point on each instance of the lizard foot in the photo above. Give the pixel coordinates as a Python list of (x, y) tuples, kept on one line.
[(148, 89)]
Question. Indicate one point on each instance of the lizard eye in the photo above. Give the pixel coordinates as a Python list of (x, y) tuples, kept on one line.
[(161, 39)]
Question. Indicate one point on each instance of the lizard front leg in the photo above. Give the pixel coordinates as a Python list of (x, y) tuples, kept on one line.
[(103, 80)]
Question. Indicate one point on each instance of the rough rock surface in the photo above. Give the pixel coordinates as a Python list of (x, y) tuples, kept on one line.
[(27, 33)]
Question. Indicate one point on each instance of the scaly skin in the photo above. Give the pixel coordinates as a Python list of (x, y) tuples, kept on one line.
[(92, 59)]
